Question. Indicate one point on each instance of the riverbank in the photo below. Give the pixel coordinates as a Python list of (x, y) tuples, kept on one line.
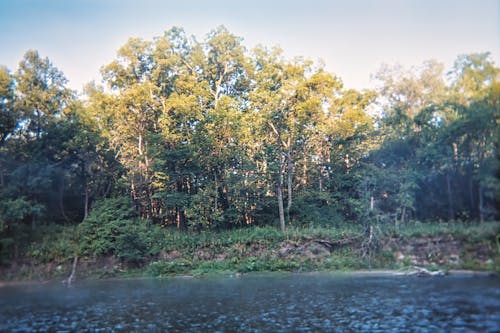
[(374, 273), (445, 247)]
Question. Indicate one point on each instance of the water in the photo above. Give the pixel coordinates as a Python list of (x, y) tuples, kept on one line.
[(257, 303)]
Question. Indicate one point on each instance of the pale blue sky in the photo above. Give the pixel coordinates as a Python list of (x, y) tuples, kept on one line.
[(352, 37)]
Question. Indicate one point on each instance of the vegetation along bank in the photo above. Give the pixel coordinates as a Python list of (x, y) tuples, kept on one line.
[(125, 249)]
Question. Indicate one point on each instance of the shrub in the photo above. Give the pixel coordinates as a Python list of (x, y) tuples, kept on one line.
[(113, 228), (53, 243)]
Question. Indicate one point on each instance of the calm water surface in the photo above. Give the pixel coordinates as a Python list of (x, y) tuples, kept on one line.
[(265, 303)]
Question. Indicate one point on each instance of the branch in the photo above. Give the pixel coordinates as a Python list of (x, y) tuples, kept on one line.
[(274, 129)]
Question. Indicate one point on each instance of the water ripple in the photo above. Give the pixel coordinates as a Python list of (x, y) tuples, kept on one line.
[(276, 303)]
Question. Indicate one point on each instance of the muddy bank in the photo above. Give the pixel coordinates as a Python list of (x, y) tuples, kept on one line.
[(446, 251)]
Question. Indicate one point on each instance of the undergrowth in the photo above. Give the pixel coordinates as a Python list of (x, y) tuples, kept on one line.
[(157, 251)]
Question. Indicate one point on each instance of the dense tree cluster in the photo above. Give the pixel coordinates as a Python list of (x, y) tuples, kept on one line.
[(210, 135)]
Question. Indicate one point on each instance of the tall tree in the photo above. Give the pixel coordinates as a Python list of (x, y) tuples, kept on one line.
[(135, 112), (8, 114), (42, 100), (42, 94), (291, 99), (403, 96)]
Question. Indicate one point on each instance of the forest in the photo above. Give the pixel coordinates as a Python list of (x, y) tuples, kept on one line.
[(191, 137)]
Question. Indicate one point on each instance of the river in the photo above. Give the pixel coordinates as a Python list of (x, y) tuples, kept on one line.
[(320, 302)]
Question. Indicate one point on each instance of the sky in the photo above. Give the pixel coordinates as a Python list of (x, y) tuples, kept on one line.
[(352, 38)]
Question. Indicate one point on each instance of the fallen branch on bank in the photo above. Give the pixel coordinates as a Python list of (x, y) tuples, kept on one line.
[(423, 272), (331, 245)]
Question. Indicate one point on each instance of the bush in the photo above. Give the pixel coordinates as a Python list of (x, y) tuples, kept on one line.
[(113, 228), (53, 243), (311, 209)]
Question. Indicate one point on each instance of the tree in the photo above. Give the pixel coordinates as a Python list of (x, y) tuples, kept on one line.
[(37, 103), (393, 172), (291, 100), (42, 94), (135, 111), (349, 138), (438, 137), (471, 76), (225, 73), (8, 115)]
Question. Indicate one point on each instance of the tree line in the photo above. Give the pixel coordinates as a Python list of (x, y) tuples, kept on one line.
[(210, 135)]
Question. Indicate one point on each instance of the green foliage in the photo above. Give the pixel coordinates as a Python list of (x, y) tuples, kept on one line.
[(43, 94), (54, 243), (15, 211), (319, 209), (9, 116), (170, 252), (113, 228)]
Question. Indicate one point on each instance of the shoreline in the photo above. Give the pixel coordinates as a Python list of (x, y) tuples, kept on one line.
[(355, 273)]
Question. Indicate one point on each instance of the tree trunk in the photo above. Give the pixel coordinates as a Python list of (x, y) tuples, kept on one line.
[(305, 171), (280, 206), (61, 199), (3, 139), (403, 214), (451, 210), (139, 144), (289, 183), (149, 203), (179, 222), (38, 125), (280, 176), (180, 219), (481, 202), (471, 190), (85, 190), (86, 201), (455, 152), (218, 86), (216, 203), (135, 197), (2, 182)]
